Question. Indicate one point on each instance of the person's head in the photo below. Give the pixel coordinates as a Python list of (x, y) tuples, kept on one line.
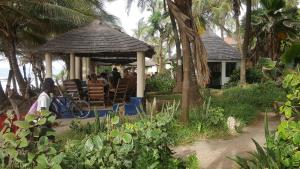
[(115, 69), (103, 75), (93, 76), (48, 85)]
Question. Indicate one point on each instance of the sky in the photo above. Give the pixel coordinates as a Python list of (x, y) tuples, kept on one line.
[(128, 20)]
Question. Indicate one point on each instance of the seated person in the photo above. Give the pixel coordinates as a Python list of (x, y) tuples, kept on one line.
[(93, 77), (44, 100), (103, 78), (115, 77)]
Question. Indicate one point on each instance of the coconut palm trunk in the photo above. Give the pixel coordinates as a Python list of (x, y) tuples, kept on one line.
[(178, 86), (160, 55), (10, 53), (245, 53), (185, 8), (236, 8)]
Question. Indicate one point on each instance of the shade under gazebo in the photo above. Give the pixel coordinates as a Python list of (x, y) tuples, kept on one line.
[(98, 42)]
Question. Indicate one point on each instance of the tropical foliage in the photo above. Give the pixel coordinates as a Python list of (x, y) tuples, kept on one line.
[(111, 144), (161, 82), (273, 23), (282, 148)]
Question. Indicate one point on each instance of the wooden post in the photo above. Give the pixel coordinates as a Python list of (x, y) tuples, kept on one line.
[(72, 66), (77, 68), (140, 74), (223, 73), (88, 67), (48, 61), (84, 68)]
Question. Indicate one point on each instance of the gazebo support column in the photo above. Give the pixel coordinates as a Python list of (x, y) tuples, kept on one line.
[(88, 66), (72, 66), (92, 68), (48, 61), (84, 68), (77, 67), (223, 73), (140, 74)]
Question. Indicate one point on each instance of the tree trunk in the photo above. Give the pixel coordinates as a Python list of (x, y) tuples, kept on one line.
[(185, 7), (13, 62), (160, 56), (3, 99), (178, 86), (242, 67), (245, 53), (222, 32), (3, 96)]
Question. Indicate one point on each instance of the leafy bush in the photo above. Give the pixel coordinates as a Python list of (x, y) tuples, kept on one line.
[(205, 120), (161, 82), (282, 148), (253, 75), (32, 145), (142, 144), (192, 162), (110, 144), (245, 102)]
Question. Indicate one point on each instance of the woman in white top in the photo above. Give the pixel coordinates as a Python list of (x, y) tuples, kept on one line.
[(44, 99)]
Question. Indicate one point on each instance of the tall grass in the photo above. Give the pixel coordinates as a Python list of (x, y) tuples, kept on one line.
[(246, 102)]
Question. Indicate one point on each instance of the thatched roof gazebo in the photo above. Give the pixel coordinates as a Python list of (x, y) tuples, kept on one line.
[(98, 42), (222, 58), (218, 50)]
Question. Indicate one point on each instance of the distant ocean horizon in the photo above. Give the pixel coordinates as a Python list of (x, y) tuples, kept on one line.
[(4, 71)]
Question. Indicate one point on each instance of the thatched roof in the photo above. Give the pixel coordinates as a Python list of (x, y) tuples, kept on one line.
[(217, 49), (98, 41)]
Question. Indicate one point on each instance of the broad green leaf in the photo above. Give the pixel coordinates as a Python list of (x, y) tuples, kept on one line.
[(45, 113), (98, 142), (115, 133), (115, 120), (89, 145), (56, 166), (30, 157), (23, 142), (51, 119), (42, 160), (127, 138), (23, 133), (30, 117), (9, 137), (12, 152), (22, 124), (57, 159), (42, 121)]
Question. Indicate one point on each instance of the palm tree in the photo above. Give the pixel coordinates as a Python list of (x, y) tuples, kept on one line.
[(245, 52), (191, 44), (272, 23), (27, 23)]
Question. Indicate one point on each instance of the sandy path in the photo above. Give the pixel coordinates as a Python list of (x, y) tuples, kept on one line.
[(213, 153)]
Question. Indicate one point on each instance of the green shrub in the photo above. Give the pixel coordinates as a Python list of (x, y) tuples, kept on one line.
[(32, 145), (205, 120), (161, 82), (245, 102), (110, 144), (192, 162), (142, 144), (282, 149), (253, 75)]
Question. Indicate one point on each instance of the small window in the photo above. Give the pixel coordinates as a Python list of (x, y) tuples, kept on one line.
[(230, 67)]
